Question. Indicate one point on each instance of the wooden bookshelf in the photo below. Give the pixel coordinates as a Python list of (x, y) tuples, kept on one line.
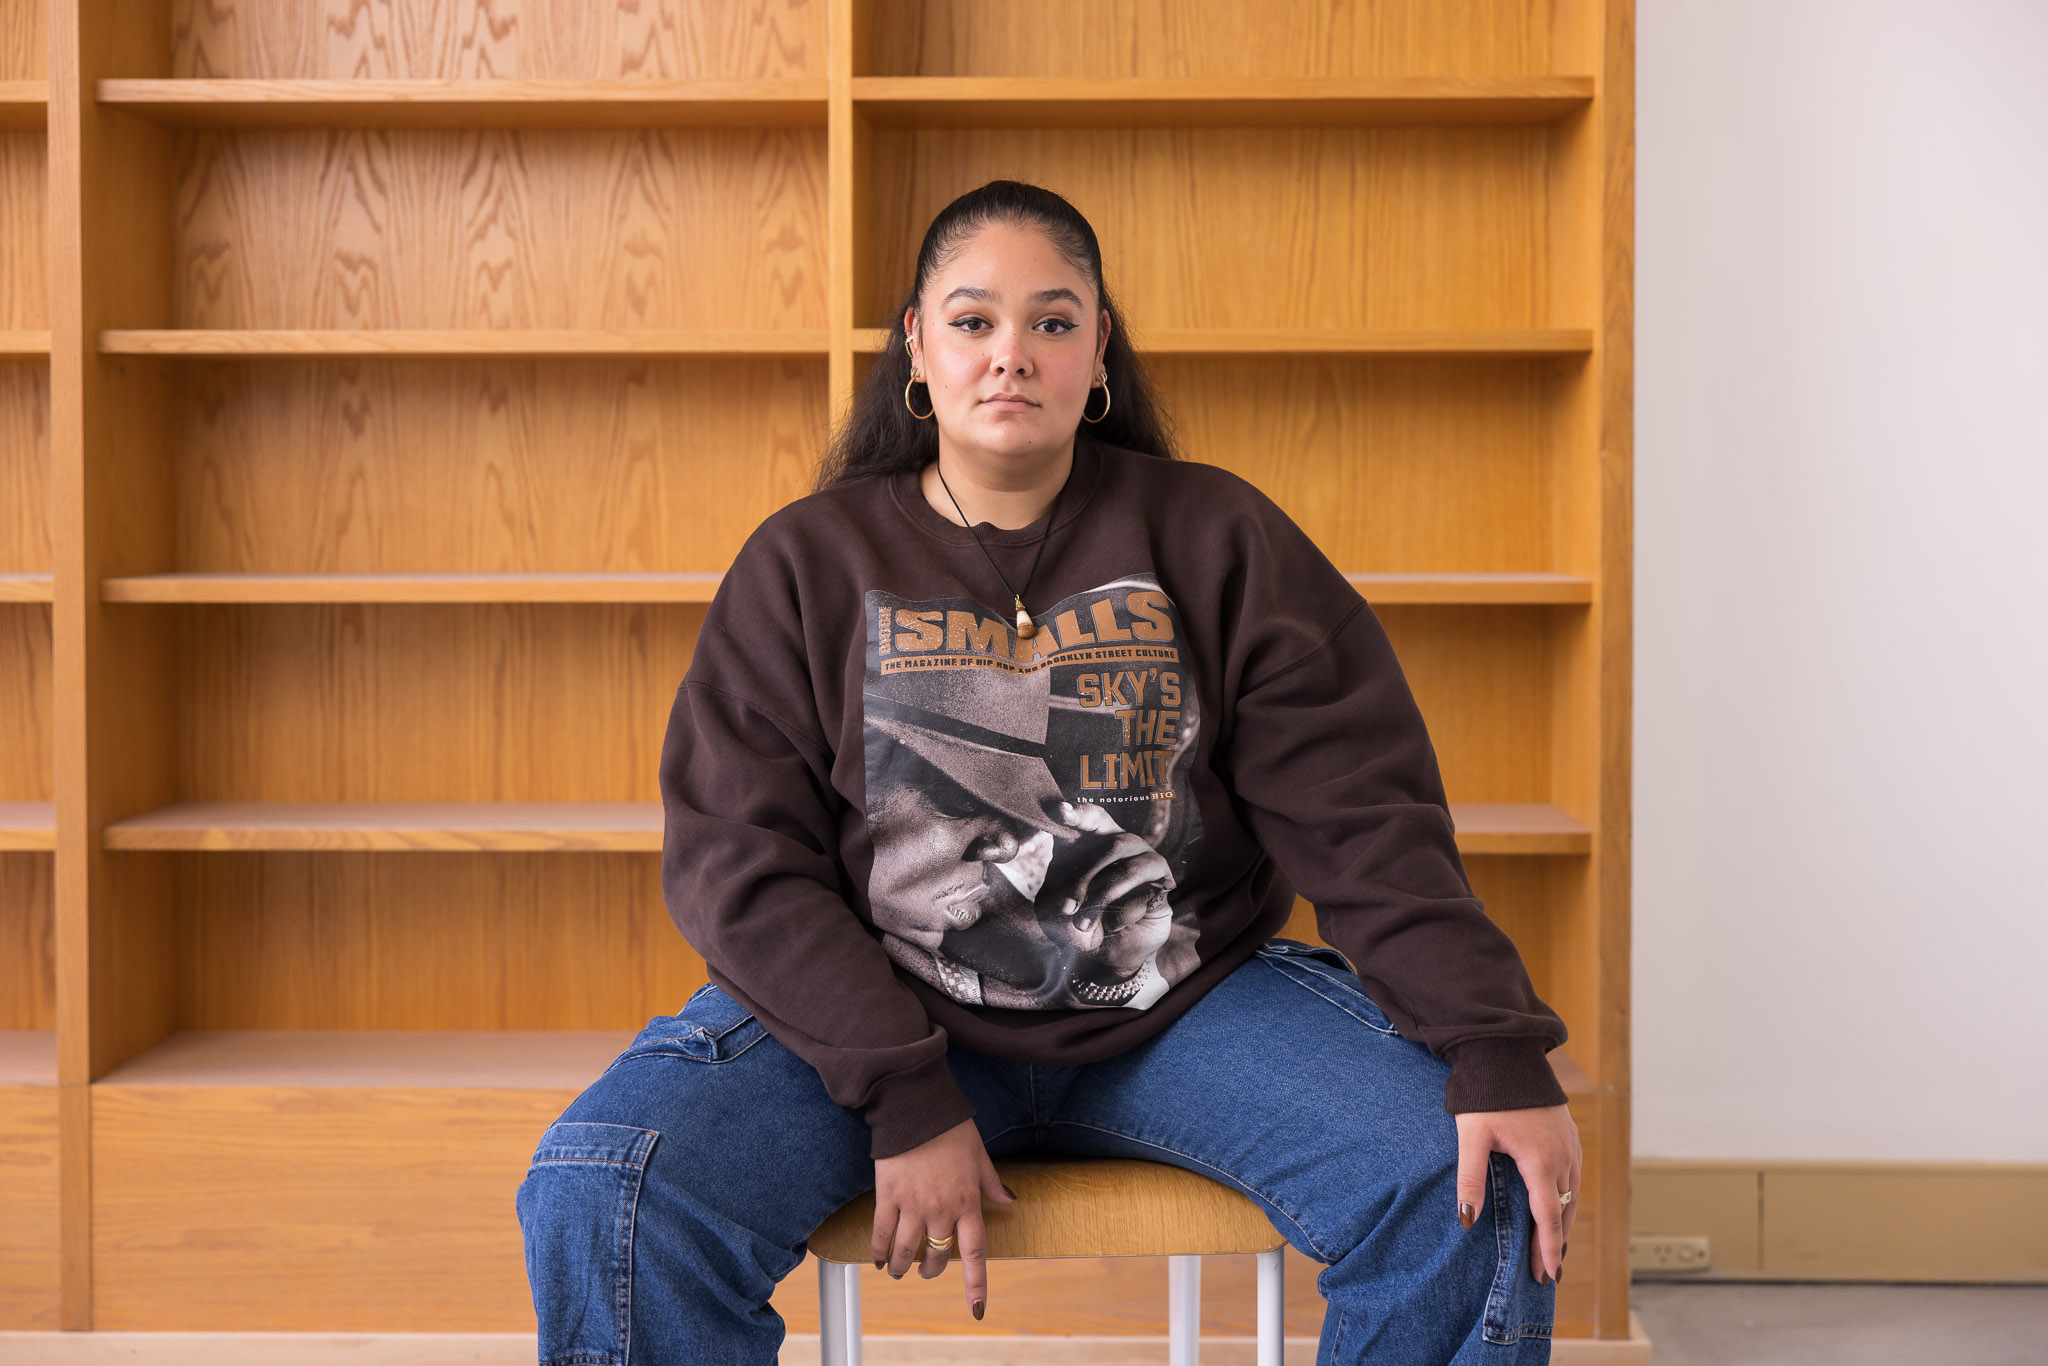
[(381, 403)]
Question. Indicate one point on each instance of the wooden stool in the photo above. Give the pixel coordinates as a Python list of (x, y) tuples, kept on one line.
[(1081, 1207)]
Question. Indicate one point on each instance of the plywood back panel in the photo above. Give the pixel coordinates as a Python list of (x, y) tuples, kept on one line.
[(1272, 39), (1252, 227), (24, 40), (622, 40), (427, 941), (529, 228), (487, 466), (24, 466), (486, 702), (24, 279), (28, 944), (1388, 464), (26, 761)]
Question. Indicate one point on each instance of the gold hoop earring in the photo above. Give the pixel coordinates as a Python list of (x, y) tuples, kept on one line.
[(906, 401), (1101, 380)]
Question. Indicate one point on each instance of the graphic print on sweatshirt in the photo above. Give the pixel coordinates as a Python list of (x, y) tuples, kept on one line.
[(1029, 799)]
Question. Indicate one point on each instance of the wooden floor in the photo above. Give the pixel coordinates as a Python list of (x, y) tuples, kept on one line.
[(800, 1349)]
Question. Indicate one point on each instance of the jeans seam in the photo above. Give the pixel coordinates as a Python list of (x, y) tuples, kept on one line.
[(1345, 1006), (1495, 1329), (1229, 1178), (1001, 1133), (630, 1212)]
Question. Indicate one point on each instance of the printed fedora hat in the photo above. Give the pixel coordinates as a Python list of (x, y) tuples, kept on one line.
[(987, 734)]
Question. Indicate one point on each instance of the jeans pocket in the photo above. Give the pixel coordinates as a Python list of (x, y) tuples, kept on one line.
[(712, 1028), (1324, 971), (576, 1209)]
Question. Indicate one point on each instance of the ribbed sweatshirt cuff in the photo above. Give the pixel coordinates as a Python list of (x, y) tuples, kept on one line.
[(1500, 1074), (913, 1107)]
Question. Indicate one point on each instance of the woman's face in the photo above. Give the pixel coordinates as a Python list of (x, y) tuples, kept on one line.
[(1009, 342)]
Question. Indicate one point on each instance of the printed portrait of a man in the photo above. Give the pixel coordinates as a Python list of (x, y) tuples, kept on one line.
[(1028, 800)]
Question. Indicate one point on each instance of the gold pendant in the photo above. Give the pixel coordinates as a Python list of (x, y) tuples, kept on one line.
[(1025, 628)]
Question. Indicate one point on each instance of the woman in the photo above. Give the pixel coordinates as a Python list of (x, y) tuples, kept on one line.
[(998, 765)]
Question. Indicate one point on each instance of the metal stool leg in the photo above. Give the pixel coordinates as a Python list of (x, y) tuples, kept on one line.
[(838, 1314), (1183, 1310), (1272, 1307)]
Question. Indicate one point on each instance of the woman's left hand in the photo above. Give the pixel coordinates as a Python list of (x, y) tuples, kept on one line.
[(1544, 1141)]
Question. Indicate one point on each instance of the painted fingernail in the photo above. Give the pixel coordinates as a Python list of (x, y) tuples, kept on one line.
[(977, 1308), (1466, 1214), (1007, 1191), (878, 1263)]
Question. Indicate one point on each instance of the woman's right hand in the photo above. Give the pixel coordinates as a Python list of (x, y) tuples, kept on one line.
[(937, 1188)]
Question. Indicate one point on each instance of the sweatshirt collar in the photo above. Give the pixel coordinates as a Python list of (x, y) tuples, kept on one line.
[(1081, 484)]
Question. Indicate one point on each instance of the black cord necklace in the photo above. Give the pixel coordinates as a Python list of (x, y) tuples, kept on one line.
[(1025, 626)]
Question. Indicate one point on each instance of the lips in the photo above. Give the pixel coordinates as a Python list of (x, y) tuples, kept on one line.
[(965, 906)]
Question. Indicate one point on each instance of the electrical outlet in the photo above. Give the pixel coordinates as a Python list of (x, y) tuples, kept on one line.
[(1669, 1252)]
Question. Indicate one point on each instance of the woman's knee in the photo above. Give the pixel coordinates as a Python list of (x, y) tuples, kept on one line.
[(668, 1173)]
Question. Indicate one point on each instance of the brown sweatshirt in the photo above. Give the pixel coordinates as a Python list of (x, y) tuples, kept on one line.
[(893, 823)]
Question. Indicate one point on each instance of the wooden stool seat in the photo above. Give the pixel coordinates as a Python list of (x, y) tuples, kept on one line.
[(1080, 1207), (1089, 1207)]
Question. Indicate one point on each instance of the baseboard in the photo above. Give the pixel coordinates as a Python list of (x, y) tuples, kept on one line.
[(799, 1349), (1942, 1222)]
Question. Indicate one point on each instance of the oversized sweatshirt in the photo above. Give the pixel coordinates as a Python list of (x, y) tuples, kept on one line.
[(893, 823)]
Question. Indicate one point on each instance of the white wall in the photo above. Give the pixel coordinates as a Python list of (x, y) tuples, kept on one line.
[(1841, 758)]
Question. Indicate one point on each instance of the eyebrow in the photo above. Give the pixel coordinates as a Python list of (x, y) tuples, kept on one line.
[(990, 296)]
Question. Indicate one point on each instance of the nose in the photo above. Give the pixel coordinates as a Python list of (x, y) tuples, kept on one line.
[(997, 846), (1011, 354)]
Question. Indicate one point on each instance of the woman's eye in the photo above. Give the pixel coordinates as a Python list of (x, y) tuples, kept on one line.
[(1065, 326)]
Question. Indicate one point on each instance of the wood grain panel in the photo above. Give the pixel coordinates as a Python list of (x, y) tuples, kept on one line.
[(1275, 38), (1253, 227), (626, 40), (24, 40), (712, 228), (28, 1206), (1390, 465), (27, 748), (500, 702), (1526, 897), (28, 942), (423, 941), (252, 1207), (24, 464), (482, 466), (1483, 678), (24, 272)]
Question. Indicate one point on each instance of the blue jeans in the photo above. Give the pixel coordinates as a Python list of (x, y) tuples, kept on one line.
[(673, 1194)]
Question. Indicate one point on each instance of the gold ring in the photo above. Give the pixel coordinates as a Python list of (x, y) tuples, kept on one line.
[(1564, 1197), (939, 1244)]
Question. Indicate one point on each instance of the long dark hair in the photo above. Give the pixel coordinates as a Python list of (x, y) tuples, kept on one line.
[(879, 435)]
